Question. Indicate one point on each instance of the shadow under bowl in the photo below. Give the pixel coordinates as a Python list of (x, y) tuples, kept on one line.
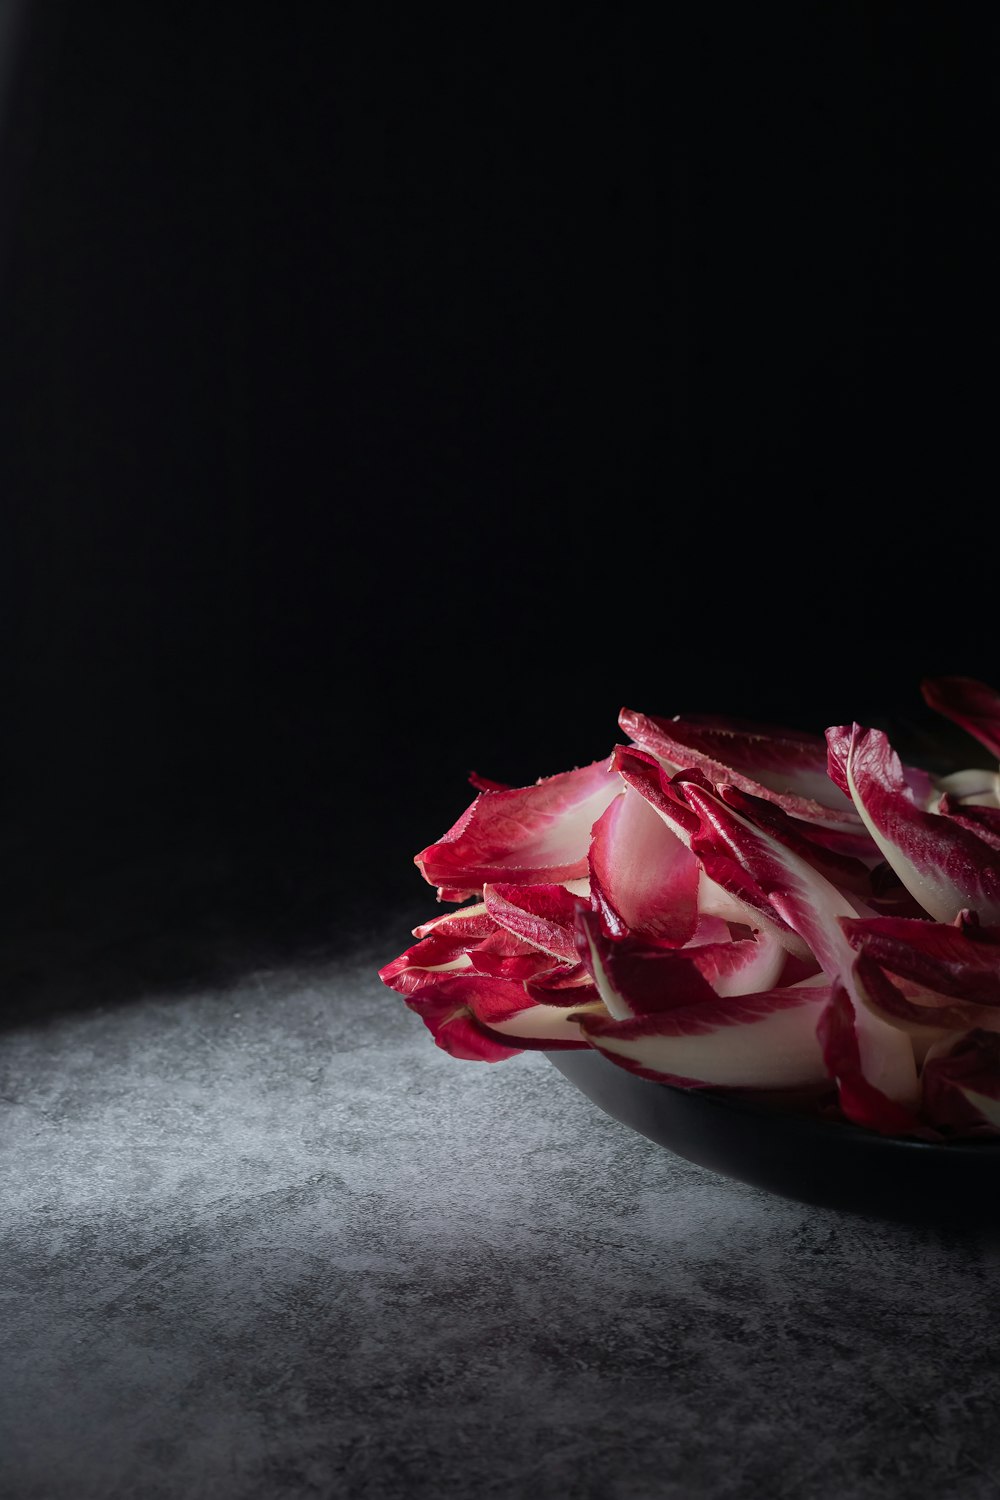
[(824, 1162)]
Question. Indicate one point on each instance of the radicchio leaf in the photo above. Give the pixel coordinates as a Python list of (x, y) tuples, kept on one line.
[(961, 1083), (725, 890), (781, 766), (636, 978), (839, 1031), (542, 915), (943, 865), (524, 836), (925, 1024), (812, 907), (970, 704), (642, 877), (473, 1011), (961, 962), (760, 1041)]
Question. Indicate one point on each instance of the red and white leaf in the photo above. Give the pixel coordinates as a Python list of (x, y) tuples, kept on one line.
[(919, 784), (812, 907), (712, 929), (725, 891), (842, 870), (472, 921), (838, 747), (973, 788), (960, 962), (798, 893), (498, 954), (747, 966), (981, 820), (761, 1041), (642, 877), (476, 1013), (525, 836), (644, 773), (569, 988), (636, 978), (542, 915), (923, 1022), (961, 1083), (547, 1028), (454, 1026), (503, 957), (972, 705), (425, 960), (782, 766), (840, 1033), (943, 865)]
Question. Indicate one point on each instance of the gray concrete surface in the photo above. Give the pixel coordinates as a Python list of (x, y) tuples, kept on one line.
[(263, 1239)]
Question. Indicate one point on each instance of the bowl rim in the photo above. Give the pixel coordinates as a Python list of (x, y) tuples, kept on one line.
[(846, 1131)]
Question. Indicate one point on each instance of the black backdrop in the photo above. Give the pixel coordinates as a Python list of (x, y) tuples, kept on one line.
[(385, 396)]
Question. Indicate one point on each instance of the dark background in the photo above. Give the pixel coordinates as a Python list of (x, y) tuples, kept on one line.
[(384, 396)]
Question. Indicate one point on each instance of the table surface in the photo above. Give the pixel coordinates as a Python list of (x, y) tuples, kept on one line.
[(262, 1238)]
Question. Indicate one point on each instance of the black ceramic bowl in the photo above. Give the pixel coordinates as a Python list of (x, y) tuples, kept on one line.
[(812, 1160)]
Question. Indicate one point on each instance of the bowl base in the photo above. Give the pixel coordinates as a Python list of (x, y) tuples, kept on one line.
[(817, 1161)]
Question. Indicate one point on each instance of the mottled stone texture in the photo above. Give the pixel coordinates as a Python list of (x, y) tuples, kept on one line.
[(267, 1241)]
